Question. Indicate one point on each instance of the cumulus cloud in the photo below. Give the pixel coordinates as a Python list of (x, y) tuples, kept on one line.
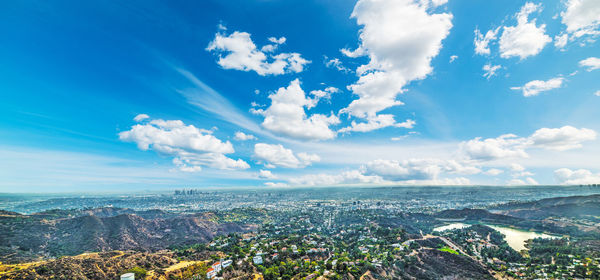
[(393, 172), (266, 174), (560, 41), (325, 93), (534, 87), (567, 176), (591, 63), (240, 136), (519, 170), (526, 38), (141, 117), (346, 177), (512, 146), (275, 155), (377, 122), (456, 167), (189, 146), (287, 115), (398, 53), (505, 146), (277, 41), (482, 42), (490, 70), (238, 51), (582, 17), (336, 63), (561, 139), (416, 169)]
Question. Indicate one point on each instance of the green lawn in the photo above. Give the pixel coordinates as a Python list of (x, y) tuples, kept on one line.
[(448, 249)]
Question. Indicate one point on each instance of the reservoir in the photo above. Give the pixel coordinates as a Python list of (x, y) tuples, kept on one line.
[(514, 237)]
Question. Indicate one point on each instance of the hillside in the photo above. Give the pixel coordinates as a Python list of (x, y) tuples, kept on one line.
[(106, 265), (572, 206), (60, 233)]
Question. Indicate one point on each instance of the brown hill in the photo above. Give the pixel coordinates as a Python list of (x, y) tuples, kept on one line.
[(31, 237)]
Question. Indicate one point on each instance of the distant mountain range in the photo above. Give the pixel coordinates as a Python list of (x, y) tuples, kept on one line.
[(571, 206)]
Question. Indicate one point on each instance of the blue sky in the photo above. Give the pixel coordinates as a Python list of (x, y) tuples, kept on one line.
[(150, 95)]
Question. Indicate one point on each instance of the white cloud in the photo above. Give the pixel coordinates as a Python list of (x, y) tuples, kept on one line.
[(287, 115), (237, 51), (326, 93), (453, 58), (266, 174), (455, 167), (416, 169), (515, 167), (512, 146), (191, 147), (525, 39), (307, 158), (277, 41), (276, 155), (597, 93), (582, 17), (493, 172), (398, 53), (591, 63), (346, 177), (560, 41), (482, 42), (393, 172), (240, 136), (141, 117), (534, 87), (276, 185), (436, 3), (567, 176), (191, 162), (523, 174), (377, 122), (505, 146), (564, 138), (490, 70), (337, 64)]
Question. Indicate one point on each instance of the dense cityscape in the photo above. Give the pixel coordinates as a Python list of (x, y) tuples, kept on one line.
[(308, 234)]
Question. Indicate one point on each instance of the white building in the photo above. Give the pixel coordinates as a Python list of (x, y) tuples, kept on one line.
[(128, 276), (210, 273), (226, 263), (216, 266), (257, 260)]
